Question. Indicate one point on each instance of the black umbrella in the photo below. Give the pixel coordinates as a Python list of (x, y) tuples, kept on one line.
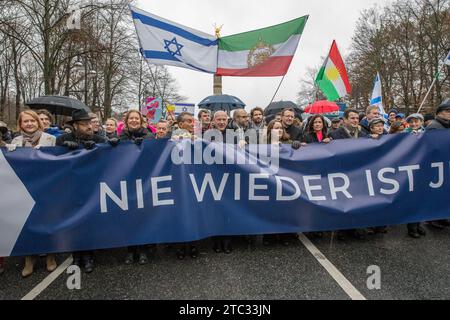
[(276, 107), (221, 103), (58, 105)]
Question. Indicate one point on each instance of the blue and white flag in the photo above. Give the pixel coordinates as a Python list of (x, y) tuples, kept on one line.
[(447, 60), (184, 107), (377, 97), (167, 43)]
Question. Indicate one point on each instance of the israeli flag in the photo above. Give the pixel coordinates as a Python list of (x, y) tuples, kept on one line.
[(167, 43), (447, 60), (377, 98), (184, 107)]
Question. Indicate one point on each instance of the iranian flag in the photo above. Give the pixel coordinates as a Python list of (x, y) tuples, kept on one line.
[(265, 52), (332, 78)]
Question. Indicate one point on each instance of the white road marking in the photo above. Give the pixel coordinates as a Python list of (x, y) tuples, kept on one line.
[(49, 280), (342, 281)]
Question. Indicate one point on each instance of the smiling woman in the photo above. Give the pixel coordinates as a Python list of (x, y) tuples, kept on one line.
[(32, 136), (135, 128)]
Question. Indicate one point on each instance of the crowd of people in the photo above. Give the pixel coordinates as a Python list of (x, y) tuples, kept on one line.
[(84, 130)]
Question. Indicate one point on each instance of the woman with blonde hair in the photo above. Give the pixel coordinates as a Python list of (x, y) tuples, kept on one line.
[(111, 128), (135, 128), (32, 135)]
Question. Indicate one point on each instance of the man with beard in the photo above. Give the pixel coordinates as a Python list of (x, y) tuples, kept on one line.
[(295, 133), (82, 136), (257, 123), (204, 116), (240, 125)]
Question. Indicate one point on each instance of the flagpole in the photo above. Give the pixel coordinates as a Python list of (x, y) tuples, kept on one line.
[(432, 85), (279, 86), (428, 93)]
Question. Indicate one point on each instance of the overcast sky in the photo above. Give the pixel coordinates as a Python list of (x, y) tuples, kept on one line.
[(328, 20)]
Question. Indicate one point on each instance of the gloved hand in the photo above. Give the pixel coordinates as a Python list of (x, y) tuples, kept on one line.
[(72, 145), (114, 142), (296, 145), (138, 141), (89, 145), (11, 147)]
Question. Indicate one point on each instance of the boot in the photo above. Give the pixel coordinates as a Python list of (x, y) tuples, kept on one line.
[(29, 266), (51, 263)]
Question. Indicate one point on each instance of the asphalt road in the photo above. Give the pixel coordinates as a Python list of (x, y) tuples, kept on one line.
[(410, 269)]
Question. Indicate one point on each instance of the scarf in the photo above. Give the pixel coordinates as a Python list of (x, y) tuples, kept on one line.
[(31, 140), (353, 132)]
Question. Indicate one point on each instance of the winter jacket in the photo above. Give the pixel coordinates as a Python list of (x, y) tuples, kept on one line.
[(110, 136), (46, 140), (133, 135), (343, 133), (311, 137), (295, 133), (71, 137), (438, 124)]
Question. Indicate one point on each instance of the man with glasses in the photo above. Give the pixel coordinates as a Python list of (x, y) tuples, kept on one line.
[(96, 125), (295, 133)]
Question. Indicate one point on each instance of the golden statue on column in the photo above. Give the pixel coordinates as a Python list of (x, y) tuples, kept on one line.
[(217, 85)]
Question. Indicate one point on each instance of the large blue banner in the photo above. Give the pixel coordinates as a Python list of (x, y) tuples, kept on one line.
[(52, 200)]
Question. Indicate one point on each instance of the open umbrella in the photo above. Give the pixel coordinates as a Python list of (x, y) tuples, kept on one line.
[(58, 105), (322, 107), (221, 103), (276, 107)]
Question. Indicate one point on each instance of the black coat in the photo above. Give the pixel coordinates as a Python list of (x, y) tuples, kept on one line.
[(438, 124), (71, 137), (342, 133), (311, 137), (295, 133), (133, 135), (110, 136)]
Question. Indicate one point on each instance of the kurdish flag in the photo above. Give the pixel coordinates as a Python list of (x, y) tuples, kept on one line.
[(265, 52), (332, 78)]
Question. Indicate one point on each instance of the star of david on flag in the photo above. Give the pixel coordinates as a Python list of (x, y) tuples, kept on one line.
[(174, 42)]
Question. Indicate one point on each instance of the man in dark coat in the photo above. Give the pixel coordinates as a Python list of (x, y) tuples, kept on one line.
[(350, 130), (441, 122), (295, 133), (82, 136), (219, 133), (372, 112), (5, 134)]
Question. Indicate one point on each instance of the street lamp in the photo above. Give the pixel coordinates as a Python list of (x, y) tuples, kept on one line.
[(81, 68)]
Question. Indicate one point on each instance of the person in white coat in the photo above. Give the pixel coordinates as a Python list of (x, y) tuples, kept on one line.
[(32, 135)]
